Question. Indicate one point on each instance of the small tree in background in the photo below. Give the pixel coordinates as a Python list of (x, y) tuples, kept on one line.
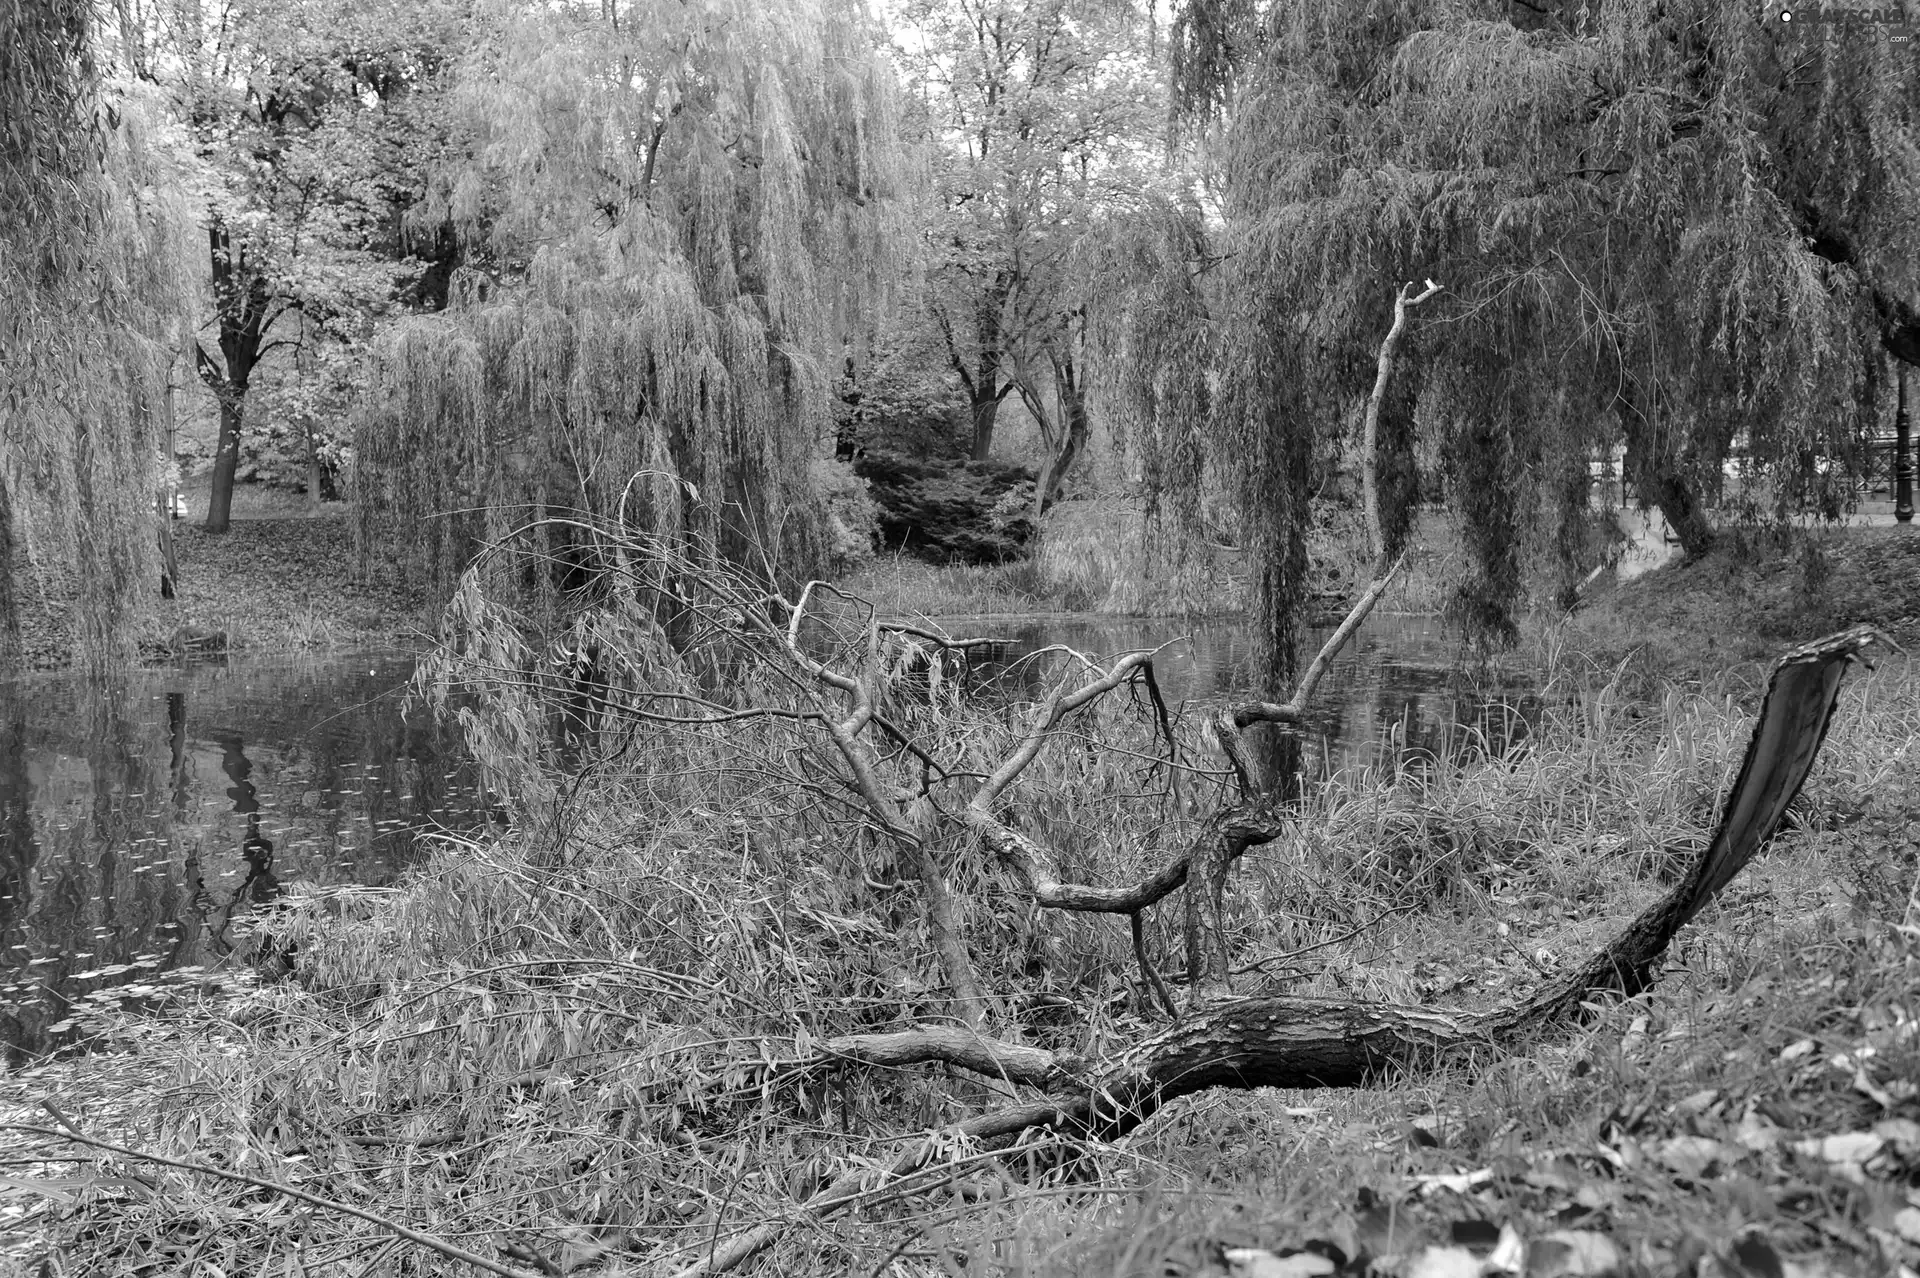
[(308, 122)]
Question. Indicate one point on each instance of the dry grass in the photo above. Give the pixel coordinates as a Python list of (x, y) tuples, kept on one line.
[(901, 586), (556, 1043)]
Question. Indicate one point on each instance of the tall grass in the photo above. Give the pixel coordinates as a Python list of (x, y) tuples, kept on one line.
[(570, 1038), (901, 586)]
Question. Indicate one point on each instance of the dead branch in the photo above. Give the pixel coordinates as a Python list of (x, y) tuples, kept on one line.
[(1248, 713), (429, 1241), (1290, 1041), (918, 859), (1370, 434)]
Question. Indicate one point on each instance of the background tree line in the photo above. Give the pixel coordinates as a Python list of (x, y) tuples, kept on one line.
[(505, 258)]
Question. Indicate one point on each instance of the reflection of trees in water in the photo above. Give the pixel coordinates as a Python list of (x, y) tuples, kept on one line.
[(124, 853), (260, 886), (93, 888), (18, 852)]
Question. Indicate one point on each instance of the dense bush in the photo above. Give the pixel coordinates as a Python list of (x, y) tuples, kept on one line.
[(945, 510)]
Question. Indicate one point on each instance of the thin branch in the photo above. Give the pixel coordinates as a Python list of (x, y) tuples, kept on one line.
[(1137, 926), (1294, 711), (429, 1241), (1370, 435)]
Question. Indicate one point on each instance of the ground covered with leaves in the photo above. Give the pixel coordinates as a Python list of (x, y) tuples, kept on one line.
[(283, 578)]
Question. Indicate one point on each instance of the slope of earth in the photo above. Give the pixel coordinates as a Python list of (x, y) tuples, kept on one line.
[(1759, 593)]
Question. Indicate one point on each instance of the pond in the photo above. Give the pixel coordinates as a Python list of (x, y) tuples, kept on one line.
[(1396, 693), (141, 824)]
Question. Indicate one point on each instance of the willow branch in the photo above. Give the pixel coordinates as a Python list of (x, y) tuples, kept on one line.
[(1294, 710)]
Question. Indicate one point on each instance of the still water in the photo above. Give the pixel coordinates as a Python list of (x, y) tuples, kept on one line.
[(1398, 693), (142, 824)]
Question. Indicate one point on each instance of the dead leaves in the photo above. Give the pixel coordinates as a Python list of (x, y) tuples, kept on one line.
[(1476, 1249)]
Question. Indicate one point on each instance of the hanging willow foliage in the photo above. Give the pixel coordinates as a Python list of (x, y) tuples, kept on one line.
[(89, 274), (1673, 224), (674, 216), (1150, 364)]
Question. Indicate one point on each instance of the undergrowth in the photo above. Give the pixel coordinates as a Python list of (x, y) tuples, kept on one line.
[(566, 1045)]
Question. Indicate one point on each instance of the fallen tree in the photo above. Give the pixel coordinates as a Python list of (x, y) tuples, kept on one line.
[(1311, 1043)]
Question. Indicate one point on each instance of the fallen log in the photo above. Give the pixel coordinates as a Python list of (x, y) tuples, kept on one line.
[(1296, 1042)]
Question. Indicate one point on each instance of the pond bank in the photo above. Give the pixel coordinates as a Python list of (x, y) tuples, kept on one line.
[(1755, 595), (282, 579)]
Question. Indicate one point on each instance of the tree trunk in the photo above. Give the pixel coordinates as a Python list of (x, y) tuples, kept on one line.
[(10, 654), (313, 472), (1670, 490), (1072, 395), (241, 305), (987, 386), (226, 459), (984, 411), (1659, 473)]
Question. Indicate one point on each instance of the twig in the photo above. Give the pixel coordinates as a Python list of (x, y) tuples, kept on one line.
[(1146, 965), (414, 1236), (1259, 963)]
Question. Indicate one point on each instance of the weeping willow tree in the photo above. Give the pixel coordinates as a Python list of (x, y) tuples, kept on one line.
[(672, 218), (88, 274), (1678, 225), (1150, 357)]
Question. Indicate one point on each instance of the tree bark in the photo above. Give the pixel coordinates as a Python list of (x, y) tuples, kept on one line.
[(1071, 394), (986, 384), (241, 305), (1659, 474), (1667, 488), (10, 654)]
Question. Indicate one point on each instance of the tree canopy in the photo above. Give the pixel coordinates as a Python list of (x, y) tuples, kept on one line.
[(670, 214), (1674, 224), (1045, 123), (307, 124)]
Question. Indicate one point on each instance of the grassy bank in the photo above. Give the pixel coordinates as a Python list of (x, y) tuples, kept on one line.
[(572, 1048), (1757, 593), (553, 1047), (281, 579), (1093, 557)]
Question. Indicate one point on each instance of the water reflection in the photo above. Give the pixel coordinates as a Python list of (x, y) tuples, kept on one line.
[(142, 822), (1398, 695)]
